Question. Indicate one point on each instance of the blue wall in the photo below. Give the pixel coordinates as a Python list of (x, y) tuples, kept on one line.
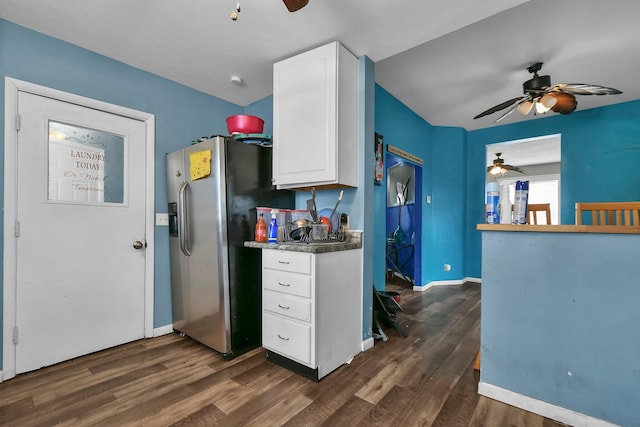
[(560, 320), (600, 151), (403, 129), (444, 179)]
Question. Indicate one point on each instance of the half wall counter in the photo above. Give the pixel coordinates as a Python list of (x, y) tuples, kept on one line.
[(560, 327)]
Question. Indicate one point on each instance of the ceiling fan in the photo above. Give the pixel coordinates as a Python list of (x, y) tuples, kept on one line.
[(292, 6), (499, 168), (539, 93), (295, 5)]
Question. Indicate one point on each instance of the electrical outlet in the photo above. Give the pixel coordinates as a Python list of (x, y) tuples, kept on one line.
[(447, 267), (162, 219), (428, 200)]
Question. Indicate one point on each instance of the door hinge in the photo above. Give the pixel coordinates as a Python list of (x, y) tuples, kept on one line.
[(15, 335), (17, 228), (17, 121)]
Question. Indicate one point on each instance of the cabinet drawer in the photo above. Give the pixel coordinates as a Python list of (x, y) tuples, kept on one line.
[(294, 284), (295, 262), (286, 337), (289, 306)]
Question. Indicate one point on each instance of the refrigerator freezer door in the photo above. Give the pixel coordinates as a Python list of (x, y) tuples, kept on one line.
[(216, 290), (208, 298)]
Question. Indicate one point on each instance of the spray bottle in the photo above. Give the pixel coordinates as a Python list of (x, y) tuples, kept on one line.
[(273, 227), (520, 202)]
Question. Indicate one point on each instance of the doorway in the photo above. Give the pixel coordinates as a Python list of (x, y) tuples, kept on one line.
[(539, 160), (78, 227), (403, 246)]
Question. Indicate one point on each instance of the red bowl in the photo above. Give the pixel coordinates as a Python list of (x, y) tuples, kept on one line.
[(244, 124)]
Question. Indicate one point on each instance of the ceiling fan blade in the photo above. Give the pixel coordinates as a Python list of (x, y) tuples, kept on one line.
[(515, 106), (499, 107), (295, 5), (513, 168), (584, 89)]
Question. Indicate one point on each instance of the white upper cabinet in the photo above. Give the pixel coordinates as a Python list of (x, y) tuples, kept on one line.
[(315, 119)]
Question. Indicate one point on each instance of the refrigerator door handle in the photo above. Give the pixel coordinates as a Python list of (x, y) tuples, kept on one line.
[(183, 224)]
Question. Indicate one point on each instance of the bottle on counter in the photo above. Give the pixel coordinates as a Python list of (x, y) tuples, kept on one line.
[(491, 207), (506, 216), (272, 236), (520, 203), (261, 230)]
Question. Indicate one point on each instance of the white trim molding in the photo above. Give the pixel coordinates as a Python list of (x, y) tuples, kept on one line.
[(163, 330), (557, 413), (447, 283), (367, 344)]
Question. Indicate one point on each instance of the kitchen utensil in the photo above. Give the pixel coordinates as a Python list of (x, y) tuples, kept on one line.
[(320, 232), (336, 206), (300, 228), (245, 124), (311, 205), (335, 221), (311, 208)]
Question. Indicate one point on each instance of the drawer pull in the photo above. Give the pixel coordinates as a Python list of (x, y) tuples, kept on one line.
[(284, 284), (283, 307), (283, 338), (284, 262)]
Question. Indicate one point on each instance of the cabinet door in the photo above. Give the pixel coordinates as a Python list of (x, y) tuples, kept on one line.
[(304, 117), (281, 304), (287, 338)]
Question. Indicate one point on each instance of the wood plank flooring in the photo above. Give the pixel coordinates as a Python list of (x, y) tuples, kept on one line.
[(425, 379)]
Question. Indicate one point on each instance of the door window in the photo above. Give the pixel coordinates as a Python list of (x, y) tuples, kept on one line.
[(86, 166)]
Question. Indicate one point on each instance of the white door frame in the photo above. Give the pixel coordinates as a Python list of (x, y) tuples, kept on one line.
[(12, 87)]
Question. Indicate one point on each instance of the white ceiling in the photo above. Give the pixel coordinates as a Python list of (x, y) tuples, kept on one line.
[(446, 60)]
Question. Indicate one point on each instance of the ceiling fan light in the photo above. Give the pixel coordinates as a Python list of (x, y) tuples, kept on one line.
[(540, 108), (548, 101), (566, 103), (525, 107)]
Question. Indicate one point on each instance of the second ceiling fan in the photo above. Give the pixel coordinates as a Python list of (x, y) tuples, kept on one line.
[(500, 168), (541, 95)]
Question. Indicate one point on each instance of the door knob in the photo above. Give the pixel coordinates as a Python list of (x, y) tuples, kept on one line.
[(139, 245)]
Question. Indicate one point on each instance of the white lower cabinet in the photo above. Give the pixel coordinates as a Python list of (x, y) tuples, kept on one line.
[(312, 309)]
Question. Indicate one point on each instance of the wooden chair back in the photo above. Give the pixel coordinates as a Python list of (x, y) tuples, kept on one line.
[(534, 208), (610, 213)]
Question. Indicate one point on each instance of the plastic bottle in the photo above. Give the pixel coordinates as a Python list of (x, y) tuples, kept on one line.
[(506, 216), (261, 230), (273, 227), (520, 202), (493, 196)]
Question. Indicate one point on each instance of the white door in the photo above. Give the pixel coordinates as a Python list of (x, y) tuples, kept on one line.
[(80, 276)]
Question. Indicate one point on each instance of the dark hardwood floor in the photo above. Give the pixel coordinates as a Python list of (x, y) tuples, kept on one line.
[(425, 379)]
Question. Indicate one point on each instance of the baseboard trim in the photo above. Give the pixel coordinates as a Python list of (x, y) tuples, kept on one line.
[(162, 330), (557, 413), (447, 283), (367, 344)]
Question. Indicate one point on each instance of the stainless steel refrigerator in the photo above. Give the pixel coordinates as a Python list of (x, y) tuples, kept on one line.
[(214, 187)]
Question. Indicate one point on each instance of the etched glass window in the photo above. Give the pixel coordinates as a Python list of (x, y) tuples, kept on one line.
[(86, 166)]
